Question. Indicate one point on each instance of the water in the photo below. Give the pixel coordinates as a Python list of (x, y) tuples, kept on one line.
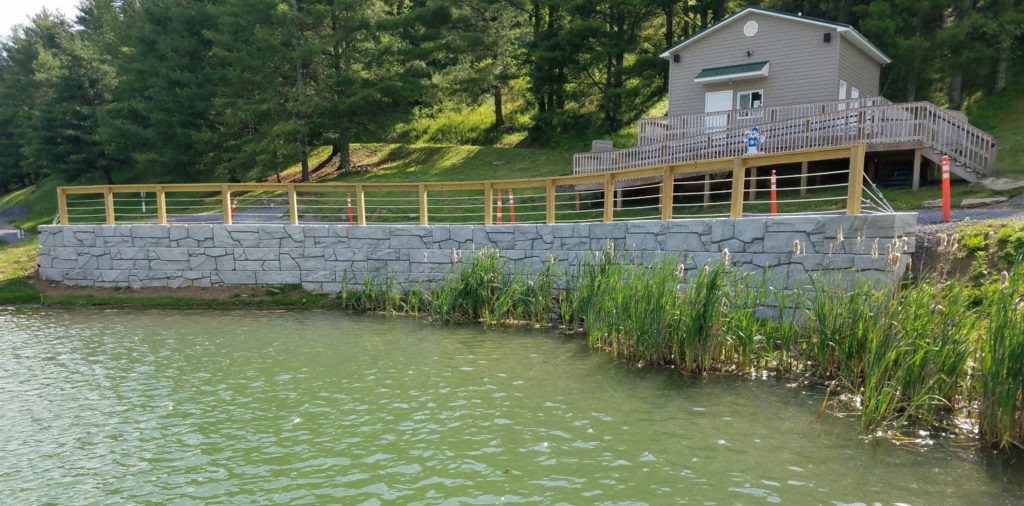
[(187, 407)]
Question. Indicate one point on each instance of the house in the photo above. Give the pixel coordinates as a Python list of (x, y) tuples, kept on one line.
[(758, 58), (805, 83)]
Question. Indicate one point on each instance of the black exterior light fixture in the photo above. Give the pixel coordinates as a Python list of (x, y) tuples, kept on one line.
[(675, 58)]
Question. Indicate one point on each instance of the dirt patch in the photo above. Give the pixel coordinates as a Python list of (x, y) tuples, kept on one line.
[(188, 292)]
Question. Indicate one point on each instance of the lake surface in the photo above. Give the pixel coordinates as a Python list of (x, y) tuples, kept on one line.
[(315, 407)]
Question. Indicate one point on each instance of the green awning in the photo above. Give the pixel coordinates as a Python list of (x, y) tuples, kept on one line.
[(732, 72)]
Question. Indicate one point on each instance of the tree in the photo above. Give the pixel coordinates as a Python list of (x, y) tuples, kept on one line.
[(163, 101)]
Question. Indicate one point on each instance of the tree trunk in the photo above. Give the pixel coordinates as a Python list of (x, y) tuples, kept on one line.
[(343, 149), (1002, 58), (499, 116), (956, 85)]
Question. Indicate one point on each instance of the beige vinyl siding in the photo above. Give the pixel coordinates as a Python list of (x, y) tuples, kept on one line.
[(802, 68), (858, 69)]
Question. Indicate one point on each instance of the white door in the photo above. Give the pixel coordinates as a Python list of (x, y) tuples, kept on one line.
[(717, 101)]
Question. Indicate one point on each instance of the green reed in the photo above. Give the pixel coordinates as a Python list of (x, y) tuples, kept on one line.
[(1001, 364), (486, 286)]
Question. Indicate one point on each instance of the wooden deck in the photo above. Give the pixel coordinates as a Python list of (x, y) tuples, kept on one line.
[(873, 121)]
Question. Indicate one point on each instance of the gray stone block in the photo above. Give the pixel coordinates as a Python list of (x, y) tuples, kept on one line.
[(237, 277), (607, 230), (151, 231), (806, 224), (641, 242), (751, 229), (51, 274), (319, 276), (278, 278), (168, 254), (379, 232), (407, 242), (309, 263), (783, 242), (200, 232), (256, 253)]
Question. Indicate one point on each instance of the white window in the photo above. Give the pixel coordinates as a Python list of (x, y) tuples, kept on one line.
[(749, 103), (842, 90)]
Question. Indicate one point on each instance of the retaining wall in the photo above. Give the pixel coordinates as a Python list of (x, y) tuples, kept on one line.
[(324, 257)]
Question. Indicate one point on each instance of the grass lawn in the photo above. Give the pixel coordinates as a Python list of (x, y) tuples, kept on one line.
[(1002, 115)]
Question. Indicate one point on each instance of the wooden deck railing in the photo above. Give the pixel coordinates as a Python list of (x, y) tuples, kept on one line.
[(673, 128), (666, 173), (919, 124)]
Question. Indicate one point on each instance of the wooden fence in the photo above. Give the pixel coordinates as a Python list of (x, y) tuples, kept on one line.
[(666, 172)]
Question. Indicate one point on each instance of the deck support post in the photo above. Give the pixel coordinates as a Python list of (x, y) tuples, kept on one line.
[(738, 174), (361, 204), (423, 204), (803, 179), (293, 205), (618, 198), (549, 202), (62, 205), (225, 198), (753, 185), (667, 189), (707, 190), (488, 203), (609, 197), (161, 206), (855, 187), (916, 181), (108, 205)]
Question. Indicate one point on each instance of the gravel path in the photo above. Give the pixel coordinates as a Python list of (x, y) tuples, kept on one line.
[(8, 233), (931, 219)]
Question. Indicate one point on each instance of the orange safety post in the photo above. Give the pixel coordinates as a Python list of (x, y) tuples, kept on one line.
[(499, 207), (233, 206), (775, 208), (349, 196), (511, 206), (945, 189)]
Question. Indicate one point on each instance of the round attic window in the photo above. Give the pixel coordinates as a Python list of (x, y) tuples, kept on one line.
[(750, 29)]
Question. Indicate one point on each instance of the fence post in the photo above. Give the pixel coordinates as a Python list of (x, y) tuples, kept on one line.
[(609, 197), (423, 204), (62, 205), (361, 205), (108, 204), (161, 206), (550, 202), (856, 184), (488, 204), (667, 189), (738, 176), (225, 196), (293, 205)]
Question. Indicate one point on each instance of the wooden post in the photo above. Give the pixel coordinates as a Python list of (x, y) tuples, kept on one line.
[(618, 197), (423, 204), (609, 197), (738, 174), (667, 189), (853, 195), (916, 181), (293, 205), (161, 206), (108, 204), (225, 196), (753, 185), (62, 205), (803, 178), (707, 190), (361, 204), (488, 204), (550, 201)]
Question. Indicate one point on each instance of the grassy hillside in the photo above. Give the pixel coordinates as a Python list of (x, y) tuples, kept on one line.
[(1002, 115)]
